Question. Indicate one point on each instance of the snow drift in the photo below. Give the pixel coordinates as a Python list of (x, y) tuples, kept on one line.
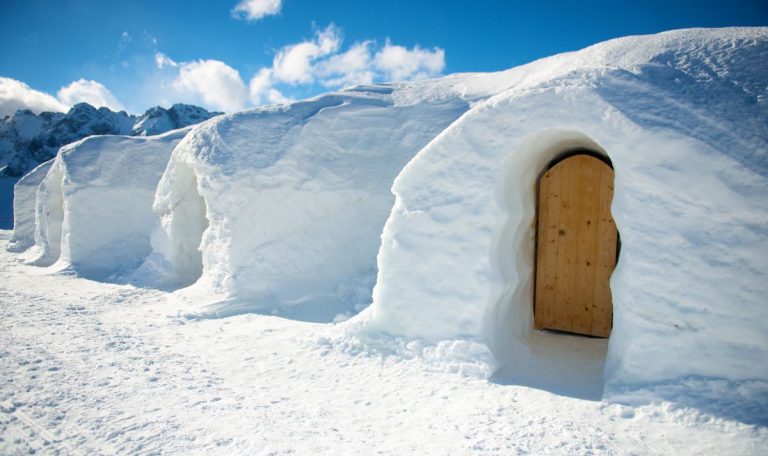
[(682, 116), (93, 203), (280, 209)]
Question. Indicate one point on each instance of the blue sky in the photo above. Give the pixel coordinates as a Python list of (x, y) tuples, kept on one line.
[(136, 54)]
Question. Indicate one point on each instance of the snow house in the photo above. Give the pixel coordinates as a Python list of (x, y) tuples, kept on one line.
[(425, 211), (279, 210), (675, 125), (89, 209)]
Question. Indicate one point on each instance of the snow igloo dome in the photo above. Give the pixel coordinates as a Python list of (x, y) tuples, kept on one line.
[(668, 136), (89, 209), (617, 193), (280, 209)]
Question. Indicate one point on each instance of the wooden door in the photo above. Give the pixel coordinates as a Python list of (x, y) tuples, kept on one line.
[(576, 247)]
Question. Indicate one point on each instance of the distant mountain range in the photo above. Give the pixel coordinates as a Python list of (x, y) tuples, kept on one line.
[(27, 139)]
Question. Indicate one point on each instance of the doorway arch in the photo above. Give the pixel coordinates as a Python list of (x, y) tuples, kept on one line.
[(577, 245), (559, 362)]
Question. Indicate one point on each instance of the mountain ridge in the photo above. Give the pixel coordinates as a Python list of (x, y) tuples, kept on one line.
[(28, 139)]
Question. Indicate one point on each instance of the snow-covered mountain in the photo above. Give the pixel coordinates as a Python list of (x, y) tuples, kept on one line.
[(27, 140), (158, 120)]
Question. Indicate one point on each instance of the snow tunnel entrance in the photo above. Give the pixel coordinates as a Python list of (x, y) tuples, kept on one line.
[(576, 245), (49, 208), (188, 223)]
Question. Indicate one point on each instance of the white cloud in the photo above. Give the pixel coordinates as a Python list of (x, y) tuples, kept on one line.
[(123, 42), (163, 60), (399, 63), (253, 10), (348, 68), (260, 85), (15, 95), (261, 90), (214, 83), (91, 92), (318, 60), (294, 63)]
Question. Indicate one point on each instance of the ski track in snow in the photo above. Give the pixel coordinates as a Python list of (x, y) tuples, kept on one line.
[(88, 368)]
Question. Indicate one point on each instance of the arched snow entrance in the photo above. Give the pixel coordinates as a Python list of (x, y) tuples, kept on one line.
[(556, 361), (576, 245), (183, 219), (49, 213)]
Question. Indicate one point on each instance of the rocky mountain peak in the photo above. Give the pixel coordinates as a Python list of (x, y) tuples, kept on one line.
[(27, 139)]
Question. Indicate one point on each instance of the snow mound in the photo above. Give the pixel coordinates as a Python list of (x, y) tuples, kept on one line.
[(280, 209), (683, 116), (93, 204)]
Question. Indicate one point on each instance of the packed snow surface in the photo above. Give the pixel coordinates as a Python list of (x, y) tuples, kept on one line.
[(95, 368)]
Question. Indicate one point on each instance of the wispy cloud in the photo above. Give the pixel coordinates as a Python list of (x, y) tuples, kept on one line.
[(399, 63), (319, 60), (253, 10), (347, 68), (297, 68), (125, 39), (214, 83), (91, 92), (261, 89), (316, 61), (162, 60), (15, 95)]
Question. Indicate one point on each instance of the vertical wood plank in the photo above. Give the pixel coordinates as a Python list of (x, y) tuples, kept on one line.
[(585, 190), (549, 196), (542, 250), (606, 258), (566, 242)]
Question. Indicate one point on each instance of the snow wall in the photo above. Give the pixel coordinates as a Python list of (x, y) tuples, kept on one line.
[(93, 204), (684, 118), (280, 209)]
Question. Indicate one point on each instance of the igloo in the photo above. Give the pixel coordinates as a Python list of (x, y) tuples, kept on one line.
[(679, 123), (642, 161), (279, 210), (24, 198), (91, 206)]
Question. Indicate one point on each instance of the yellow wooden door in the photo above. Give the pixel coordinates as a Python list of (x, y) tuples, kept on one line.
[(575, 248)]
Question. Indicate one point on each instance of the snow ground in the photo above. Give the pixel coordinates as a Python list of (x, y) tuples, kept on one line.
[(89, 367)]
